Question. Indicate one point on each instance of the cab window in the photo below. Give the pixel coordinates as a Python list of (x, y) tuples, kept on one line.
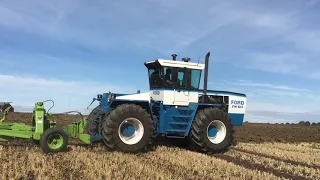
[(182, 78), (155, 78), (168, 76), (195, 78)]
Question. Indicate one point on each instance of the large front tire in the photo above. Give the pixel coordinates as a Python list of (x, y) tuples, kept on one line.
[(93, 122), (128, 128), (212, 131)]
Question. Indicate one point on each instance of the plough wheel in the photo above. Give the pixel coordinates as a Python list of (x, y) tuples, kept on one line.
[(54, 140)]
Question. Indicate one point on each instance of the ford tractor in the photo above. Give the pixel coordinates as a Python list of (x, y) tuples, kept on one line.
[(175, 107)]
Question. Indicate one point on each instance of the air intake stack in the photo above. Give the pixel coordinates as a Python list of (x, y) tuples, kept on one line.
[(186, 59)]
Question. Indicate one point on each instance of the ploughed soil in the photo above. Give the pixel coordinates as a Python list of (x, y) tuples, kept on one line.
[(249, 132), (285, 133)]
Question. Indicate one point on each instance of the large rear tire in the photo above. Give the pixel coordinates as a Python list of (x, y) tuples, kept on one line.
[(212, 131), (128, 128)]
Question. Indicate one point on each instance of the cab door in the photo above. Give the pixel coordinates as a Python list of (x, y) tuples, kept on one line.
[(182, 84)]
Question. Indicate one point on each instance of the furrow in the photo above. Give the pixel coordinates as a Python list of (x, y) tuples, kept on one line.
[(277, 158), (206, 166), (276, 164), (254, 166), (305, 154)]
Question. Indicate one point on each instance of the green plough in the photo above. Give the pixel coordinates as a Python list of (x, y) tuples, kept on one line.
[(43, 131)]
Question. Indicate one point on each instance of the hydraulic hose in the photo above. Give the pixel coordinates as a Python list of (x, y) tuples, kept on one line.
[(73, 112), (51, 106)]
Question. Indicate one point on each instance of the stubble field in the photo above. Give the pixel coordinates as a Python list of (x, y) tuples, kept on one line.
[(262, 151)]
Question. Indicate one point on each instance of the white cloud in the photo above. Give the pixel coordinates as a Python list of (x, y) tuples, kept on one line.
[(275, 103), (91, 24), (236, 27), (256, 105), (315, 75), (69, 21), (267, 85), (278, 93), (281, 107), (276, 62), (258, 118), (172, 25), (306, 39), (282, 117), (311, 3), (68, 95)]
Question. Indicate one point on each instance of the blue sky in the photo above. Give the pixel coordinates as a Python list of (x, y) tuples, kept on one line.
[(69, 51)]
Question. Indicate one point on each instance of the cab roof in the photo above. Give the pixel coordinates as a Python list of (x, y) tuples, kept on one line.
[(172, 63)]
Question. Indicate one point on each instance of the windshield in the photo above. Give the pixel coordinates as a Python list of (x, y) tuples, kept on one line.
[(169, 77), (155, 78)]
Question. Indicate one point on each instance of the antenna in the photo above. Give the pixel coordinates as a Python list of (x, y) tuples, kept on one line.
[(198, 60)]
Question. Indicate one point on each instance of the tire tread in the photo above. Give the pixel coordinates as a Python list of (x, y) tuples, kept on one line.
[(199, 131), (112, 121)]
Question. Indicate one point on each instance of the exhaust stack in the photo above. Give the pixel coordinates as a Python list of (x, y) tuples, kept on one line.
[(174, 57), (205, 83)]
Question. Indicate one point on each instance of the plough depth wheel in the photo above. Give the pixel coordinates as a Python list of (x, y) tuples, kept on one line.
[(54, 140)]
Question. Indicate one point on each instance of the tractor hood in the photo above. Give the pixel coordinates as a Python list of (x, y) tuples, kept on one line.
[(135, 97)]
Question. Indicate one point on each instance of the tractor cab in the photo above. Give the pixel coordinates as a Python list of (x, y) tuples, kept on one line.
[(174, 82)]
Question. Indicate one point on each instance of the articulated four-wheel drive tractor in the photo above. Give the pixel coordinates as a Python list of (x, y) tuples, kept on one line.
[(175, 107)]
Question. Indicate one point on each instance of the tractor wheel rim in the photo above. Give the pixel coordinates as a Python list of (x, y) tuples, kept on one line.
[(216, 131), (131, 131), (55, 141)]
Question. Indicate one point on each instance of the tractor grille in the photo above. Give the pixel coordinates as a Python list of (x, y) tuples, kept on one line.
[(178, 121), (181, 119), (178, 126), (185, 112)]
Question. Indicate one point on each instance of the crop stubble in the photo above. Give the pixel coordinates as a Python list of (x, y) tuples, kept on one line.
[(262, 152), (276, 165)]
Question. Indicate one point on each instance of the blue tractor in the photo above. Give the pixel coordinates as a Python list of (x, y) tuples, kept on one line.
[(175, 107)]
